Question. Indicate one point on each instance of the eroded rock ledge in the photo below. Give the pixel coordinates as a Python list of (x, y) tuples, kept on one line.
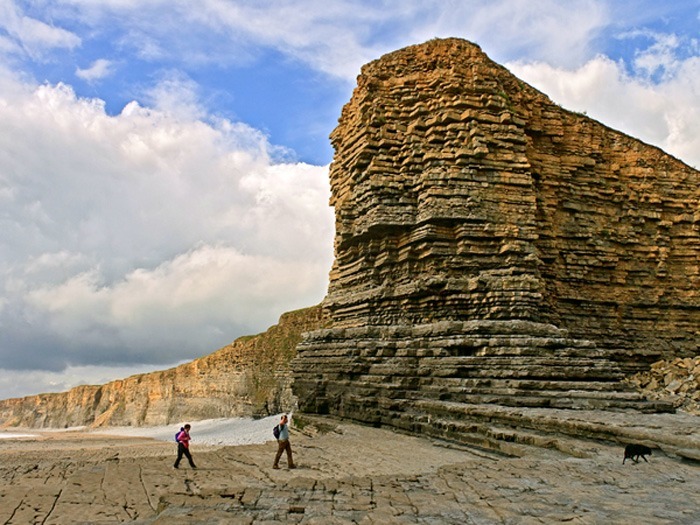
[(494, 249)]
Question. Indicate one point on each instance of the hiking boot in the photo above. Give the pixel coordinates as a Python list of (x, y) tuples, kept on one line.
[(275, 466), (292, 466)]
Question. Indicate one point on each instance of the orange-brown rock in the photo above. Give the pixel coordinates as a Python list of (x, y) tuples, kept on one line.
[(676, 381), (248, 377), (493, 248)]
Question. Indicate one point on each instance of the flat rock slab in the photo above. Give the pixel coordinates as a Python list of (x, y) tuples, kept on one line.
[(353, 474)]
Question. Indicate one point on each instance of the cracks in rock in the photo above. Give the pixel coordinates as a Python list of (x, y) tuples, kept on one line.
[(13, 474), (145, 490), (53, 507), (126, 509), (412, 491), (498, 514), (246, 463), (191, 487), (250, 466), (59, 470), (372, 495), (102, 483), (14, 511)]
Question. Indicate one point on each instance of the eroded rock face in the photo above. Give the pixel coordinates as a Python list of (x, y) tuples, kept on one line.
[(492, 247), (248, 377)]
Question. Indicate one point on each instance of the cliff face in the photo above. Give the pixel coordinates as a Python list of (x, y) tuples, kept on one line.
[(492, 247), (462, 193), (249, 377)]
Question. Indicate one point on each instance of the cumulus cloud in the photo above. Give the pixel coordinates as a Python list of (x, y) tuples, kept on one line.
[(98, 70), (215, 290), (150, 236), (658, 102), (176, 94)]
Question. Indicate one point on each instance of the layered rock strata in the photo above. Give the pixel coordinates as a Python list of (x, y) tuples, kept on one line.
[(249, 377), (493, 248)]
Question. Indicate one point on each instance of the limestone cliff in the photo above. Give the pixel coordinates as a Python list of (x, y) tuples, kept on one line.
[(248, 377), (494, 248)]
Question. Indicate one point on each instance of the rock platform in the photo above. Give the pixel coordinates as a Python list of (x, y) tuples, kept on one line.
[(349, 473)]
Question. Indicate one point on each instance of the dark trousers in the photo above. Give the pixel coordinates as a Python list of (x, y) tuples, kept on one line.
[(284, 446), (183, 450)]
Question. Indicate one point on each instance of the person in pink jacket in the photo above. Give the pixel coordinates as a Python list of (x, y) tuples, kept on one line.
[(183, 446)]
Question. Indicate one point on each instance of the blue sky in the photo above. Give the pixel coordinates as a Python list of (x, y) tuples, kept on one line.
[(163, 165)]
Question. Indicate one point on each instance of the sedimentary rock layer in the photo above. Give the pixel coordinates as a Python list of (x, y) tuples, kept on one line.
[(492, 247), (248, 377)]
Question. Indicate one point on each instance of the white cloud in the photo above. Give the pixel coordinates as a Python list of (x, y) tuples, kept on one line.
[(8, 46), (547, 30), (665, 113), (32, 32), (176, 94), (98, 70), (336, 38), (32, 35), (189, 300), (339, 37), (149, 236)]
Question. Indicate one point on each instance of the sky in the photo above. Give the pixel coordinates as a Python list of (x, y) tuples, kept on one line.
[(164, 164)]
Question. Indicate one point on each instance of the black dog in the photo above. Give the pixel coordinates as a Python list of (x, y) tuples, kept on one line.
[(634, 452)]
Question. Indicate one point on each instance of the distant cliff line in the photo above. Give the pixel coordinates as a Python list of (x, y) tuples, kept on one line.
[(249, 377)]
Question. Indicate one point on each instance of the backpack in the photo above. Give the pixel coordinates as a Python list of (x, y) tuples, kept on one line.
[(276, 431), (177, 434)]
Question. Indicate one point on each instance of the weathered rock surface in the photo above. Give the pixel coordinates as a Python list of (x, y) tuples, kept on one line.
[(248, 377), (676, 381), (494, 250), (354, 474)]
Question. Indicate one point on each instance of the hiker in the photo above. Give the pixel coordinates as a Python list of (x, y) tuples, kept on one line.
[(183, 446), (283, 444)]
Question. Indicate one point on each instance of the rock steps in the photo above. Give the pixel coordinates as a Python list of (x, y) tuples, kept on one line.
[(536, 371), (570, 431), (419, 383)]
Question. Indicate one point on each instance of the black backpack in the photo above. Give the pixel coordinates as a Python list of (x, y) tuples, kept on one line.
[(276, 431)]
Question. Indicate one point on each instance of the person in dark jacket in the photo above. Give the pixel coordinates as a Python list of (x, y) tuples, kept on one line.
[(183, 446), (283, 444)]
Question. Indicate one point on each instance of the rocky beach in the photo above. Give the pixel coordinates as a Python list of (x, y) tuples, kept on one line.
[(347, 473), (513, 300)]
